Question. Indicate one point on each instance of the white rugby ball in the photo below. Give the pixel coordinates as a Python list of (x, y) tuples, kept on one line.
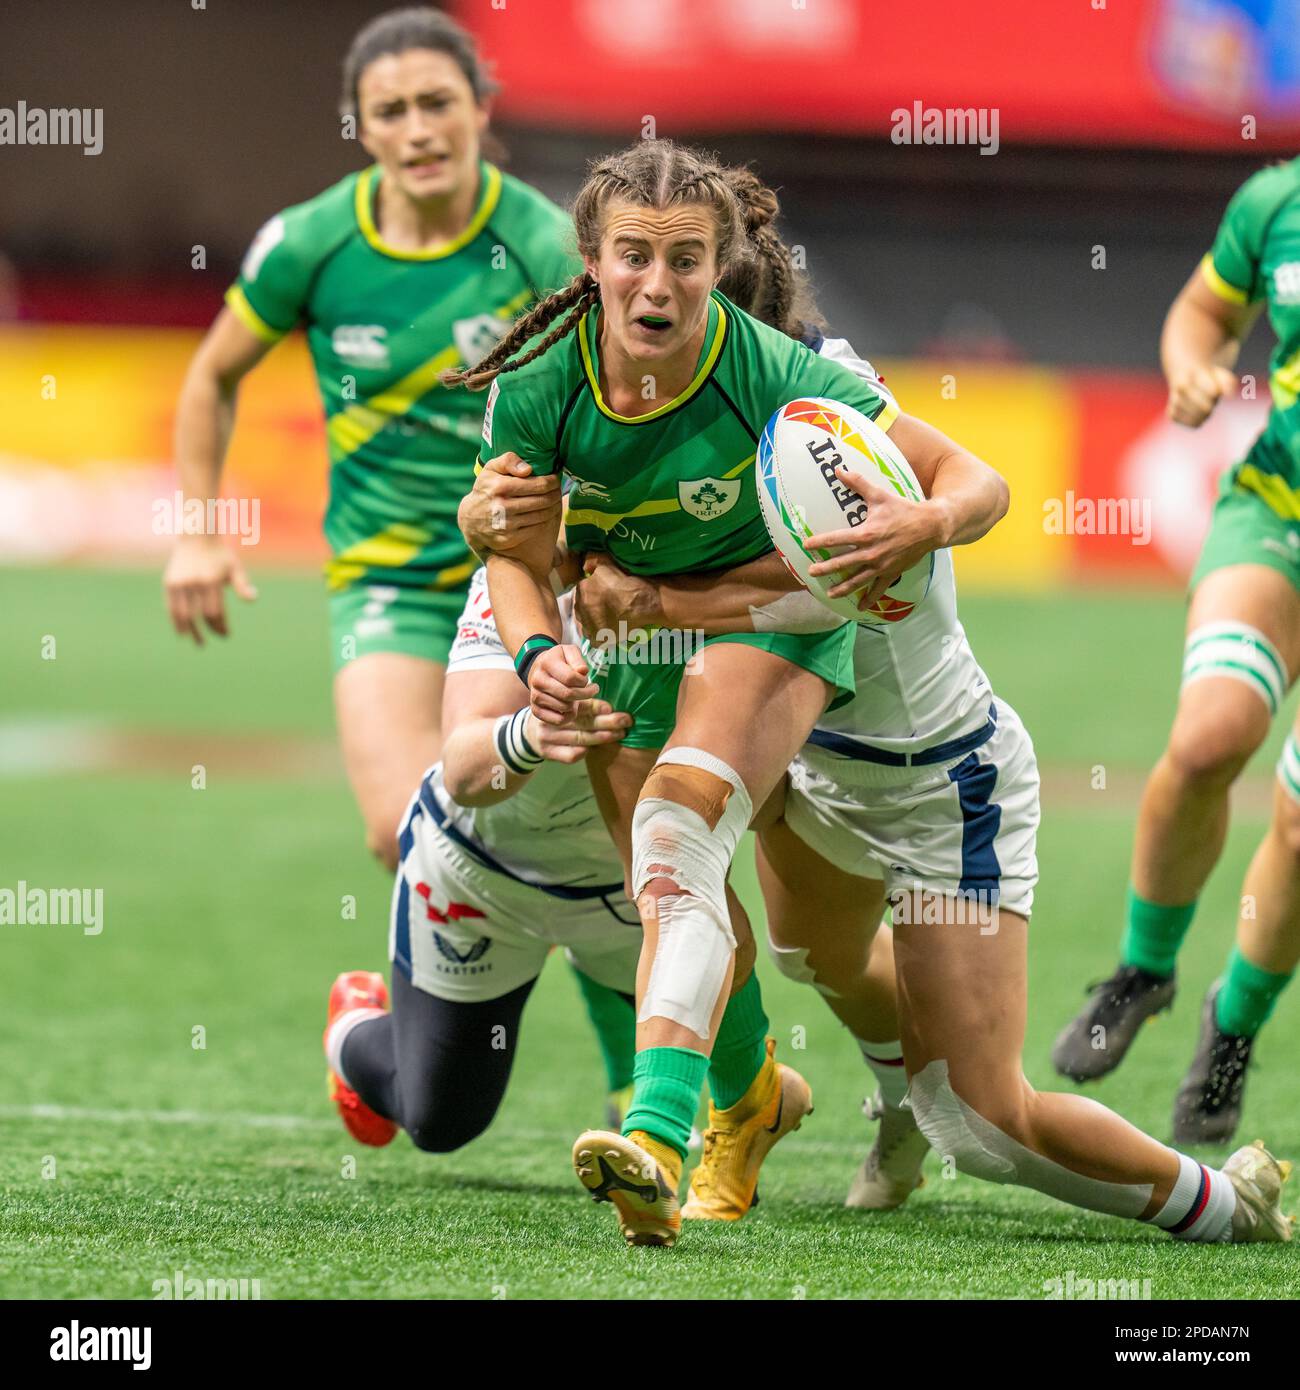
[(802, 496)]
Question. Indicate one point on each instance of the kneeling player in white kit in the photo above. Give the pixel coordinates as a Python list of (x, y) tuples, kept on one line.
[(924, 791), (503, 856)]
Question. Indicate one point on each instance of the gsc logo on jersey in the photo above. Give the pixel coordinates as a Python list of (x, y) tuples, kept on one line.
[(1286, 283), (362, 344), (475, 338)]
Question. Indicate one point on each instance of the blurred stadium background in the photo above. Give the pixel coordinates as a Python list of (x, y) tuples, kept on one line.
[(1014, 300)]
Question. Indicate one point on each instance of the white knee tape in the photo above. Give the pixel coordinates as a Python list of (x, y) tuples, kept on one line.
[(690, 964), (792, 962), (982, 1150), (1288, 768), (696, 943), (1238, 652), (666, 832)]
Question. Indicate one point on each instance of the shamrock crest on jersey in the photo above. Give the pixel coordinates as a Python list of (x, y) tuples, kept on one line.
[(707, 498)]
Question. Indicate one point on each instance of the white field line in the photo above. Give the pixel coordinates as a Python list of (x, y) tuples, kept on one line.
[(76, 1113), (235, 1120)]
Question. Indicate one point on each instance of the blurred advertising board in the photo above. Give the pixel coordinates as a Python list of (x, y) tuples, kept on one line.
[(1102, 485), (1177, 73)]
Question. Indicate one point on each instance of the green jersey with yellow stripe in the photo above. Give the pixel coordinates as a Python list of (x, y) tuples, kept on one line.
[(1256, 257), (382, 324), (672, 490)]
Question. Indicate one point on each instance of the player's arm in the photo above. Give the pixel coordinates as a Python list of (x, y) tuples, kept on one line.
[(492, 744), (1200, 342), (519, 567), (964, 500), (760, 596), (507, 503), (201, 565)]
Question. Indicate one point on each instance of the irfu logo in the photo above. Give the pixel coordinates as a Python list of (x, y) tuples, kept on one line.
[(708, 498)]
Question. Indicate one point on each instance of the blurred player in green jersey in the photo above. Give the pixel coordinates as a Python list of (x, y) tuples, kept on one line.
[(416, 264), (1242, 655)]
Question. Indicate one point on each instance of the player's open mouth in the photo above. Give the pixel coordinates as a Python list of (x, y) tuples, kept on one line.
[(425, 164), (656, 322)]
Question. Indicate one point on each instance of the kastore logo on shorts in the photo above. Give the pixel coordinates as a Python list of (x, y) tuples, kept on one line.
[(460, 962)]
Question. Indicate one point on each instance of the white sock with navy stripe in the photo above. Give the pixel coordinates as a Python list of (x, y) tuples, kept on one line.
[(886, 1062), (1201, 1205)]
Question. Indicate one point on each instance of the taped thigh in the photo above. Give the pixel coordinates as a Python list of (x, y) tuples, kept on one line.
[(1238, 652), (984, 1151)]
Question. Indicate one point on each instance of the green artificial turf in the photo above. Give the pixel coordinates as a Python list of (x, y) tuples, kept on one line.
[(128, 1153)]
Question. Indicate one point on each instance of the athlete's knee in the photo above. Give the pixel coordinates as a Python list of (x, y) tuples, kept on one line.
[(1213, 738), (444, 1130), (979, 1126), (1209, 747), (689, 818), (1286, 807), (797, 963)]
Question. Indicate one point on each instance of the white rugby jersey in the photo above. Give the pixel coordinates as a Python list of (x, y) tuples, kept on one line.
[(550, 831), (918, 682)]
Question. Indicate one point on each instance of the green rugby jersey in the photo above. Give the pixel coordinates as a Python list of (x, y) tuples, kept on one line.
[(381, 325), (673, 490), (1256, 256)]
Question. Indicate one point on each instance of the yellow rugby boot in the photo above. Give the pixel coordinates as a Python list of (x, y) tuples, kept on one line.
[(640, 1175), (725, 1184), (1258, 1178)]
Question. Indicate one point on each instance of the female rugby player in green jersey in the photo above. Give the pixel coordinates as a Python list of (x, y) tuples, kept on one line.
[(1242, 655), (413, 265), (653, 409), (926, 767)]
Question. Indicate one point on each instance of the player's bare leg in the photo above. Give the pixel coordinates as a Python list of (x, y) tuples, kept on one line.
[(389, 711), (1208, 1106), (1244, 621), (749, 709), (824, 930), (962, 1009)]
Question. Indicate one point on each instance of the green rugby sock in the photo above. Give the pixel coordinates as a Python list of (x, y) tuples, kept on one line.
[(741, 1046), (668, 1081), (1154, 934), (1246, 996), (613, 1018)]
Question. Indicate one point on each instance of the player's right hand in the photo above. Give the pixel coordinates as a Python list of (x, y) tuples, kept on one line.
[(194, 585), (595, 722), (506, 505), (1194, 392), (558, 681)]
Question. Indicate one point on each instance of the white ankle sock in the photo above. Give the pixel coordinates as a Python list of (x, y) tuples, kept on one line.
[(1201, 1205), (338, 1035), (886, 1062)]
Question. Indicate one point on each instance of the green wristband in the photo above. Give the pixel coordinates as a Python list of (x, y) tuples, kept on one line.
[(529, 651)]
